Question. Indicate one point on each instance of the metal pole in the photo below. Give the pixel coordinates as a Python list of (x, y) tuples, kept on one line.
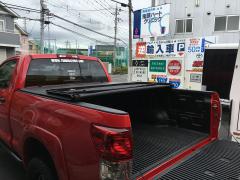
[(55, 45), (130, 41), (25, 24), (115, 37), (42, 26), (49, 46), (76, 47)]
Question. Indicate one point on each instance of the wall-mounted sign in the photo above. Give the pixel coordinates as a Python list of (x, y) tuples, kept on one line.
[(175, 82), (155, 21), (140, 70), (174, 67), (195, 54), (141, 50), (140, 63), (167, 48), (162, 78), (196, 78), (157, 66), (159, 78)]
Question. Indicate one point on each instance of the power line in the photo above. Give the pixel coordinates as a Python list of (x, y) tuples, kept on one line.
[(27, 18), (94, 5), (103, 7), (99, 33), (87, 37), (122, 4), (107, 3), (79, 10), (13, 6)]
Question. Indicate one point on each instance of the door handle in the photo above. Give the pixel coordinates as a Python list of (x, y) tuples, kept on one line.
[(2, 100)]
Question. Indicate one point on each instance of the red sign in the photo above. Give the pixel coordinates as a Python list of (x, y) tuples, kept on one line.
[(141, 50), (198, 64), (174, 67)]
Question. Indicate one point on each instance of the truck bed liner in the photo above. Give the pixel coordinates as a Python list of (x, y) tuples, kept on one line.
[(217, 161), (155, 144)]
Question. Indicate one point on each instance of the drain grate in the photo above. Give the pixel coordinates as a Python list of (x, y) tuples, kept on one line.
[(218, 161)]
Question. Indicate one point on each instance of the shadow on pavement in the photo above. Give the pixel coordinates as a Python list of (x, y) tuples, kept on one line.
[(10, 168)]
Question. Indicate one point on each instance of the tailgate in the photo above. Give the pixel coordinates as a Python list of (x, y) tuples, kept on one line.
[(219, 160)]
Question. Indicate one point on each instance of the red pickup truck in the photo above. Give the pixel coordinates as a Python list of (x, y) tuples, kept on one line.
[(62, 116)]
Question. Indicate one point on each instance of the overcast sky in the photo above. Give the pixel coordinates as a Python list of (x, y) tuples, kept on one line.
[(77, 11)]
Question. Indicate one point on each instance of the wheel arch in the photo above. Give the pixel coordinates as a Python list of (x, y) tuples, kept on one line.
[(38, 142)]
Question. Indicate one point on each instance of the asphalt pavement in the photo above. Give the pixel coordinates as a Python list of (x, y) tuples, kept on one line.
[(119, 78), (10, 168)]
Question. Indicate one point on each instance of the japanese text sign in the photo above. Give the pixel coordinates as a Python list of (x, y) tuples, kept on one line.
[(141, 50), (169, 48), (155, 21), (158, 66)]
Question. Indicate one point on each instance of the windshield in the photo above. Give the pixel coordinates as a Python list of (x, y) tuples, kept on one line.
[(61, 71)]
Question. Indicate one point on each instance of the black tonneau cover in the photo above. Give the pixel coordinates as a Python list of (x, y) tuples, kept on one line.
[(76, 93)]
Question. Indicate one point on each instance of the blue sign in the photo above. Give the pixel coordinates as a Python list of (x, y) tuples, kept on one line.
[(162, 79), (137, 24), (203, 45), (175, 83)]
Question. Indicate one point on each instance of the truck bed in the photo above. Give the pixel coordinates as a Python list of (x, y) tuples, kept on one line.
[(155, 144), (217, 161), (164, 121)]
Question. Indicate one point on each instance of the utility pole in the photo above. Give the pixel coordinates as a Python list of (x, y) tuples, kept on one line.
[(42, 21), (130, 40), (115, 37), (130, 9), (25, 24)]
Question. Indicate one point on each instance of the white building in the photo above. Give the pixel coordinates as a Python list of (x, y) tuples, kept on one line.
[(203, 18)]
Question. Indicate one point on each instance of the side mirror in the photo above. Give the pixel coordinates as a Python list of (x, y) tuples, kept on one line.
[(3, 83)]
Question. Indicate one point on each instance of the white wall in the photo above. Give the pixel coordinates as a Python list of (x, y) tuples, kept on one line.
[(203, 24)]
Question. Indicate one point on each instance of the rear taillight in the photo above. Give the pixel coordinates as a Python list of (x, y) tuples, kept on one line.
[(215, 113), (112, 144), (114, 147)]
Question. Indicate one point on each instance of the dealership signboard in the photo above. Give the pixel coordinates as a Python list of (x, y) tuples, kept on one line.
[(152, 22), (175, 61)]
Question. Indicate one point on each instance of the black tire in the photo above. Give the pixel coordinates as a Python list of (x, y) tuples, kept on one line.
[(39, 170)]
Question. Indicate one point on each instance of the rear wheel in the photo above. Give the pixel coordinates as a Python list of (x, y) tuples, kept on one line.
[(39, 170)]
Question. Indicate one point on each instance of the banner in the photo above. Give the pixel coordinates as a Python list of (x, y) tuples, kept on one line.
[(155, 21), (137, 24)]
